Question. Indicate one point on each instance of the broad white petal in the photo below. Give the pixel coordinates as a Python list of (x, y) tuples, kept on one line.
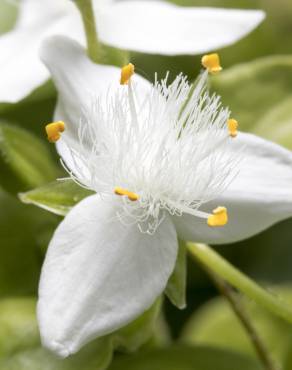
[(162, 28), (259, 197), (21, 70), (99, 274), (79, 82)]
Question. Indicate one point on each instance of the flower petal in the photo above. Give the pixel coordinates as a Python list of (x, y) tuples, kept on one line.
[(21, 70), (259, 197), (79, 82), (100, 274), (162, 28)]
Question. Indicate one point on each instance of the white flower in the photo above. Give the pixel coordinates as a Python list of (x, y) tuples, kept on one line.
[(146, 26), (159, 168)]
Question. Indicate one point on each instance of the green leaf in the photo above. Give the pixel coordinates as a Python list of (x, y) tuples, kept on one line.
[(276, 124), (8, 15), (20, 347), (134, 335), (176, 286), (215, 324), (95, 356), (24, 159), (23, 231), (258, 94), (205, 255), (18, 325), (185, 358), (57, 197)]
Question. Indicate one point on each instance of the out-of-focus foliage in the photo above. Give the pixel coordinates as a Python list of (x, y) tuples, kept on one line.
[(24, 160), (57, 197), (176, 287), (20, 347), (24, 232), (216, 325), (259, 96), (8, 15), (185, 358)]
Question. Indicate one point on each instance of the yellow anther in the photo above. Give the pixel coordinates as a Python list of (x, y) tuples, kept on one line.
[(212, 63), (232, 127), (219, 217), (132, 196), (126, 73), (54, 130)]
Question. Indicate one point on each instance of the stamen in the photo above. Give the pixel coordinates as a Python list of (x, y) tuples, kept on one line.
[(126, 73), (132, 196), (212, 63), (218, 218), (232, 127), (54, 130)]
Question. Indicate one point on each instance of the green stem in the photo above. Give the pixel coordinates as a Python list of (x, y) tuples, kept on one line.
[(93, 46), (238, 309), (208, 257)]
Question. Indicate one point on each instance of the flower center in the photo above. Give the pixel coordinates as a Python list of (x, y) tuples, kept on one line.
[(161, 148)]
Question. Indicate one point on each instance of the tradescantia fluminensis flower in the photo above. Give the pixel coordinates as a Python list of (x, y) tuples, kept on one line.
[(161, 158), (145, 26)]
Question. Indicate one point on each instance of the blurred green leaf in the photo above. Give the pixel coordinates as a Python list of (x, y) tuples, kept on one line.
[(259, 95), (19, 265), (276, 123), (95, 356), (20, 344), (134, 335), (24, 231), (215, 324), (8, 15), (185, 358), (57, 197), (25, 161), (18, 325), (176, 286)]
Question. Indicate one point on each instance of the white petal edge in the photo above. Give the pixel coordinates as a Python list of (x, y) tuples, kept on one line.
[(99, 275), (162, 28), (79, 82), (21, 70), (259, 197)]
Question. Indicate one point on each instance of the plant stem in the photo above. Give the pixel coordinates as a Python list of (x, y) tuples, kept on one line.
[(237, 307), (217, 264), (93, 45)]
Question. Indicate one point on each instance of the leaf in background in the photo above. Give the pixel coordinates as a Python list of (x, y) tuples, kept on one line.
[(25, 161), (276, 124), (20, 347), (216, 325), (134, 335), (8, 15), (57, 197), (24, 231), (18, 325), (176, 286), (259, 95), (185, 358), (95, 356)]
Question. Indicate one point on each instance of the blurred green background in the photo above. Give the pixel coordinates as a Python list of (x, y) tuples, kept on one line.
[(257, 85)]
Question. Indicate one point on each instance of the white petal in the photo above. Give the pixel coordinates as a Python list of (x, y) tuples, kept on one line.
[(259, 197), (79, 81), (21, 70), (100, 274), (162, 28)]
